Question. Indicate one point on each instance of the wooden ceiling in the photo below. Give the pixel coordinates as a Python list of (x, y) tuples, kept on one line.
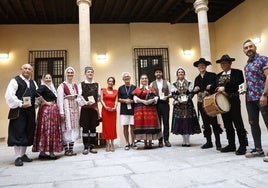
[(109, 11)]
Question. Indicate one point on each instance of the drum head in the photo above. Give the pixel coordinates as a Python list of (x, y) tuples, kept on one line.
[(223, 102)]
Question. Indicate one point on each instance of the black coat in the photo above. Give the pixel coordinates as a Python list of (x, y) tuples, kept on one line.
[(231, 87), (209, 78)]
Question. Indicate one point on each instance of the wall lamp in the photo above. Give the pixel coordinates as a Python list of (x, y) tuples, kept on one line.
[(187, 52), (4, 56), (102, 57), (257, 40)]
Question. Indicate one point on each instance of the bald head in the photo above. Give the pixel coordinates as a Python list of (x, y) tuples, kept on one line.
[(26, 71)]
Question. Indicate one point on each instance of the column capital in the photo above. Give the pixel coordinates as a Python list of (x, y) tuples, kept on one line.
[(89, 2), (201, 5)]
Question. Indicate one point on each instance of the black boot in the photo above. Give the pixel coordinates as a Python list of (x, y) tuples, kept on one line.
[(217, 141), (228, 148), (208, 144), (92, 145), (243, 141), (85, 142), (241, 150)]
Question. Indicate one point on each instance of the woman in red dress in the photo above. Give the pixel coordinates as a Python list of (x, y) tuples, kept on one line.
[(109, 104)]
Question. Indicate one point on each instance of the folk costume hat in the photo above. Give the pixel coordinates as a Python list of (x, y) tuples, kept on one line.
[(225, 58), (202, 61), (89, 68)]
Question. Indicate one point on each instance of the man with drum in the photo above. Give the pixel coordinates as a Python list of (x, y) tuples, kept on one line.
[(202, 86), (228, 82)]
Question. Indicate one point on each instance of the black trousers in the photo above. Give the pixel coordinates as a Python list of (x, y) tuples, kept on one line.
[(207, 121), (163, 116), (233, 121)]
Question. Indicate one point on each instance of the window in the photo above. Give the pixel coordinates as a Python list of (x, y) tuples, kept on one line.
[(48, 61), (146, 59)]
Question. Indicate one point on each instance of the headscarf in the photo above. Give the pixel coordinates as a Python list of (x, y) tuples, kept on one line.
[(50, 86), (66, 70)]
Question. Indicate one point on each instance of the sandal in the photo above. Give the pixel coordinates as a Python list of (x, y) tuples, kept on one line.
[(73, 153), (68, 153)]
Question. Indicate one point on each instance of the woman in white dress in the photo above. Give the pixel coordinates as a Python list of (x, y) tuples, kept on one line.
[(69, 111)]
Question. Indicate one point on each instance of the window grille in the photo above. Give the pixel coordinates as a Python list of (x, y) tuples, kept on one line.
[(48, 61), (147, 59)]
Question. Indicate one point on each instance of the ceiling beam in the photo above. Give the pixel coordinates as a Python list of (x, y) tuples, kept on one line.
[(54, 11), (143, 11), (125, 10), (182, 15), (155, 10), (135, 10), (3, 13), (108, 4), (18, 6), (117, 8), (11, 13)]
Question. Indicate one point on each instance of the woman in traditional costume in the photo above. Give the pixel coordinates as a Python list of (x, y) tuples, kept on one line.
[(146, 123), (184, 119), (69, 111), (48, 134)]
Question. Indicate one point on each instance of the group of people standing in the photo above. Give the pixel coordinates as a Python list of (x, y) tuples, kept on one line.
[(57, 124), (228, 82), (143, 109)]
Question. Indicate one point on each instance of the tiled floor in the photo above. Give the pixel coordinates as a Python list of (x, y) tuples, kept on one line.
[(158, 167)]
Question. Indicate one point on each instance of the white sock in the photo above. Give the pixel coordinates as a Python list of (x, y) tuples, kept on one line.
[(23, 150), (184, 139), (17, 151), (187, 138)]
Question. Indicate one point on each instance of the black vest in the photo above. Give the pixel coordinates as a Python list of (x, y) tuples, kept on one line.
[(24, 91)]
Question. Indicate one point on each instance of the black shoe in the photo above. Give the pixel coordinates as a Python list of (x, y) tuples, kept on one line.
[(241, 150), (53, 157), (160, 144), (207, 145), (228, 148), (186, 145), (18, 162), (25, 158), (43, 157), (218, 148)]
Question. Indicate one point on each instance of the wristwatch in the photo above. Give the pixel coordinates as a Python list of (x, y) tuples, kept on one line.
[(265, 94)]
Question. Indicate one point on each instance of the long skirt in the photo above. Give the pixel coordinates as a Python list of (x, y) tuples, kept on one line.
[(146, 123), (48, 133), (184, 119), (70, 126)]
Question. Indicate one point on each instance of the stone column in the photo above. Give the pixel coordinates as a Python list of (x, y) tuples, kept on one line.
[(201, 8), (84, 35)]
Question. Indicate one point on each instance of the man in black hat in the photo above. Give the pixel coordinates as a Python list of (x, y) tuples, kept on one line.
[(163, 89), (228, 82), (202, 86)]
